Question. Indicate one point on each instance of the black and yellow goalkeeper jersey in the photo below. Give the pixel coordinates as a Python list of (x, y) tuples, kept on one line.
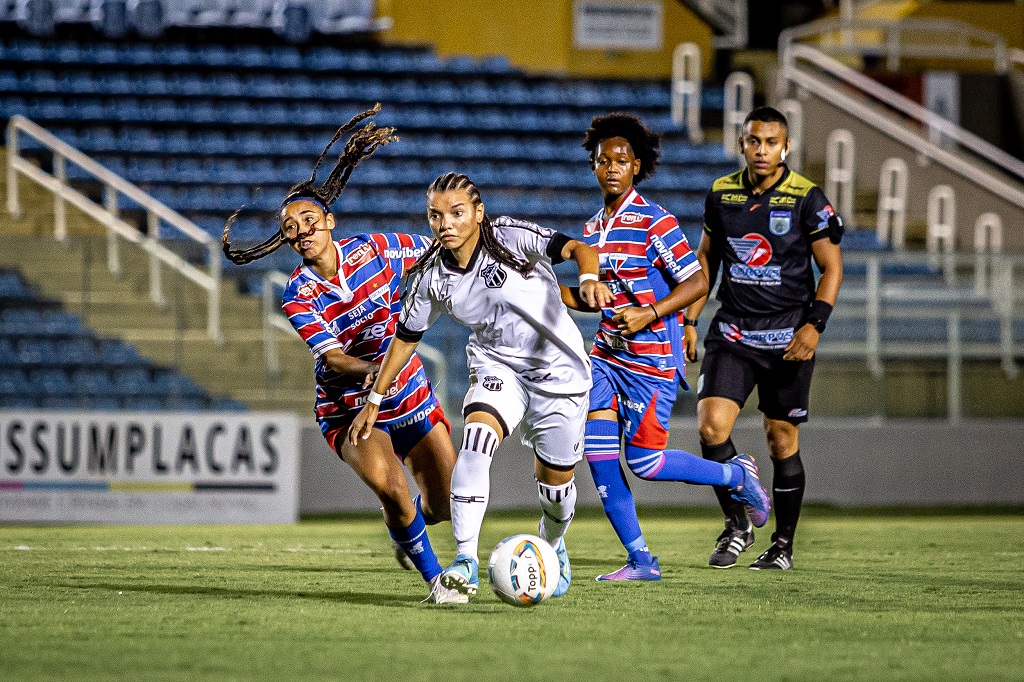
[(763, 242)]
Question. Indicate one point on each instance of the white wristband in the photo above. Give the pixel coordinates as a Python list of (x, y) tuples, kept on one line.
[(588, 277), (374, 398)]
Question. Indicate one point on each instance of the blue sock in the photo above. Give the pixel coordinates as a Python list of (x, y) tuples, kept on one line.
[(601, 446), (414, 542), (679, 465)]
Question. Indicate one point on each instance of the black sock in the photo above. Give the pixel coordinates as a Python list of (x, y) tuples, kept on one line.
[(735, 514), (787, 495)]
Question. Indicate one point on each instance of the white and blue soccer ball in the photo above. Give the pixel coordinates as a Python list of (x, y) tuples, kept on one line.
[(523, 570)]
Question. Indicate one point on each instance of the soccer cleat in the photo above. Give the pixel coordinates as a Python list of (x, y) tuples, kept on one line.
[(731, 542), (439, 594), (634, 570), (778, 557), (564, 569), (402, 558), (463, 575), (750, 492)]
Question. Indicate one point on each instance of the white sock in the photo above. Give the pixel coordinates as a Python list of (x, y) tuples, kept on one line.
[(558, 502), (471, 486)]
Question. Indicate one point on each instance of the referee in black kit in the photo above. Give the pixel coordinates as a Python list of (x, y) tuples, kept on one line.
[(762, 226)]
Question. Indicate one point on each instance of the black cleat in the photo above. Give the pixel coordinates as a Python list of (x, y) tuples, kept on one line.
[(778, 557), (731, 542)]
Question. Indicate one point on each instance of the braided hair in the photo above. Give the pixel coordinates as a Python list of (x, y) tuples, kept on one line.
[(360, 145), (645, 143), (499, 252)]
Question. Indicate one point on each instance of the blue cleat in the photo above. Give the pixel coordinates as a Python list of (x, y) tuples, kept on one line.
[(462, 576), (750, 492), (634, 570), (565, 570)]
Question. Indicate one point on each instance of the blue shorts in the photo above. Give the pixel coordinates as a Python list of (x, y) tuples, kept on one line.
[(643, 403), (405, 433)]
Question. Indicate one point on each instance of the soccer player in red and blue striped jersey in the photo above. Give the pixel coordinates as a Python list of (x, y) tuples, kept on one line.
[(344, 300), (638, 352)]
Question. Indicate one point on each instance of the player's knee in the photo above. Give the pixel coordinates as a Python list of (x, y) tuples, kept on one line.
[(781, 436), (713, 432), (436, 511), (645, 463)]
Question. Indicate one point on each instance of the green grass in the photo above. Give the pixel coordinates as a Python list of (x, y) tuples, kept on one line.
[(873, 597)]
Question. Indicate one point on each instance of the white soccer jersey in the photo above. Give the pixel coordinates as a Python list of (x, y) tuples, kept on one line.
[(518, 322)]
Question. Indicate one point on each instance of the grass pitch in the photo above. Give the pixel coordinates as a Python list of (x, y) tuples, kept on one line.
[(872, 597)]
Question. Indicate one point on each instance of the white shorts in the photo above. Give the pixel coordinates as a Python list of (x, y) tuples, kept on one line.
[(553, 425)]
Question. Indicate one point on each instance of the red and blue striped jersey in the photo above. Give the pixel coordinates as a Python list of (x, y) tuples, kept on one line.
[(643, 255), (357, 311)]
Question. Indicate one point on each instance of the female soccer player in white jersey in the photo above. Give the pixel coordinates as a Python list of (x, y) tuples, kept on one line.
[(638, 352), (527, 362), (344, 301)]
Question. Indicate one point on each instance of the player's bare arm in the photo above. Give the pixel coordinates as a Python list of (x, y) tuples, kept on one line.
[(398, 354), (830, 261), (635, 318), (695, 308), (595, 294), (340, 362)]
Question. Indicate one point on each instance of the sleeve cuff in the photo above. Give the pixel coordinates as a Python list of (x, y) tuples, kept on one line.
[(403, 333), (555, 246)]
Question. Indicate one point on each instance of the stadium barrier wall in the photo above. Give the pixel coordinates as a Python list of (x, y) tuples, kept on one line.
[(538, 36), (148, 467), (849, 463)]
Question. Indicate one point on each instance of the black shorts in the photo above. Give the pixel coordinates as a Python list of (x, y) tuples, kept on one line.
[(732, 369)]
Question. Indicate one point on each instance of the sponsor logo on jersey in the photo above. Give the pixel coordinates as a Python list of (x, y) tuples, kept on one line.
[(374, 331), (419, 416), (631, 218), (779, 222), (757, 338), (405, 252), (797, 412), (666, 254), (782, 200), (356, 312), (359, 256), (613, 342), (492, 383), (308, 290), (635, 406), (752, 249), (768, 275), (731, 198), (494, 276), (825, 214)]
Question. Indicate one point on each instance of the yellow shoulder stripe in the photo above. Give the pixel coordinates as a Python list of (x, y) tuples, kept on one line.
[(732, 181), (796, 185)]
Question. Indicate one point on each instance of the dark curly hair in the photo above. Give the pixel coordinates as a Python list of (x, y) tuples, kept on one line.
[(645, 143), (360, 145)]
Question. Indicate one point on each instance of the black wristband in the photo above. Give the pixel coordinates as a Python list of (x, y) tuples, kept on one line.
[(689, 323), (819, 314)]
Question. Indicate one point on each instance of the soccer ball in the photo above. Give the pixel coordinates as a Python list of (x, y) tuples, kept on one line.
[(523, 570)]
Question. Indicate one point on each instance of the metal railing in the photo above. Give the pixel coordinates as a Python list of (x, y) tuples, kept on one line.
[(922, 38), (837, 93), (956, 301), (274, 282), (108, 215)]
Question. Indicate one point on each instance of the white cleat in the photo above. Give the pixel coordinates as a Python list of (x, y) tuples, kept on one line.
[(439, 594)]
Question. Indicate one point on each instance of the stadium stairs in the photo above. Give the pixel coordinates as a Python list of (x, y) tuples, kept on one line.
[(76, 274)]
